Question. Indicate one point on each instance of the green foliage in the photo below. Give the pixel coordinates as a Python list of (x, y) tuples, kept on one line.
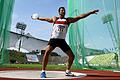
[(17, 57)]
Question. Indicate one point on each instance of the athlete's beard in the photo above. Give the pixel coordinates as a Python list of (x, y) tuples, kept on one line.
[(62, 15)]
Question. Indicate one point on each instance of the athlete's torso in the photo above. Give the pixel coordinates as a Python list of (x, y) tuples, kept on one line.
[(60, 28)]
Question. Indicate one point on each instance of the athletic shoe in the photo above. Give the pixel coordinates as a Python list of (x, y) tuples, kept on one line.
[(69, 73), (43, 75)]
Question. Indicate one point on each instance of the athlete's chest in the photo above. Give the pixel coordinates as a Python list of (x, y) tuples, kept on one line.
[(61, 24), (61, 21)]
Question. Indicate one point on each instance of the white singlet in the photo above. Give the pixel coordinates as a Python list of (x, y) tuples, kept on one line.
[(60, 29)]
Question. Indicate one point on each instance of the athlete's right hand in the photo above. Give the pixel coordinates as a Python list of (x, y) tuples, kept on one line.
[(94, 11)]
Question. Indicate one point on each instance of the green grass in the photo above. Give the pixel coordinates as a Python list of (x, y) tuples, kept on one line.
[(37, 66), (20, 66), (56, 67)]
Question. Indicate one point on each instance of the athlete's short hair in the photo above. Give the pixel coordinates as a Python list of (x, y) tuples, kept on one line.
[(61, 8)]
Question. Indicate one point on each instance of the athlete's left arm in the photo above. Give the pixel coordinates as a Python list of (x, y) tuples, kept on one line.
[(72, 20)]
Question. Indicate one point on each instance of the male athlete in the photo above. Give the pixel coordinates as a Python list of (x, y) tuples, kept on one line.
[(60, 27)]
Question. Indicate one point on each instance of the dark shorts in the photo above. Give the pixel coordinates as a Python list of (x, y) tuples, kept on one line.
[(61, 43)]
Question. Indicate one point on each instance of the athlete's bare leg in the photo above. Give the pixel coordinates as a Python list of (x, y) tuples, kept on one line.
[(70, 60), (48, 50)]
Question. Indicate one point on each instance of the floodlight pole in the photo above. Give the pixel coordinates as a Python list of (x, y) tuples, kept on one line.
[(113, 31), (21, 35), (107, 19), (22, 27)]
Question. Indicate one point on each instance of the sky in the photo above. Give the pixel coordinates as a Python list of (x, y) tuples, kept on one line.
[(96, 33)]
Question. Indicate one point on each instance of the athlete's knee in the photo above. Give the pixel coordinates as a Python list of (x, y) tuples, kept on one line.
[(48, 50), (71, 55)]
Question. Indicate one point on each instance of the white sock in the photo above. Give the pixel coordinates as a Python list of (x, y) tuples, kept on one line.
[(43, 70), (67, 71)]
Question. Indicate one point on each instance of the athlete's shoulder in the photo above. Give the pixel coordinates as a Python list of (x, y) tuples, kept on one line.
[(68, 19), (55, 18)]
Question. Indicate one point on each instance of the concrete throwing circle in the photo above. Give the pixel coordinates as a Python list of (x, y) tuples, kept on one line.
[(35, 74)]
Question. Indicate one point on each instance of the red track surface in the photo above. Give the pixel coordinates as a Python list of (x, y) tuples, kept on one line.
[(91, 74)]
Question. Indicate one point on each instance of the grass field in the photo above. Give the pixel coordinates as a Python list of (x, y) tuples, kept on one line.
[(57, 67), (38, 66)]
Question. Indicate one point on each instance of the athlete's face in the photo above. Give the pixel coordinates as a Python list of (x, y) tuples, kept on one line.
[(62, 12)]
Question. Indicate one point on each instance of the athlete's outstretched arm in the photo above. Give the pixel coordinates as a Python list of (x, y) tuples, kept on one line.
[(72, 20), (45, 19)]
